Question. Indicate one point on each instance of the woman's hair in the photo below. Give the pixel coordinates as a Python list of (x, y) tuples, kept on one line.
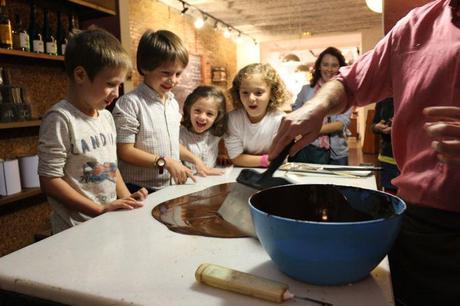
[(212, 92), (157, 48), (317, 68), (278, 92), (94, 50)]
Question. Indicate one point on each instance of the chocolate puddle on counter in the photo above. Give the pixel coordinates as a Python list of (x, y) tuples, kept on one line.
[(196, 213)]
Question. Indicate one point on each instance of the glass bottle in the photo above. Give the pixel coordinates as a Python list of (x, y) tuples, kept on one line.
[(6, 38), (50, 41), (35, 34), (20, 35), (61, 38)]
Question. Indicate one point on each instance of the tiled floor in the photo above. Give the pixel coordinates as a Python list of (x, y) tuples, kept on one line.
[(356, 156)]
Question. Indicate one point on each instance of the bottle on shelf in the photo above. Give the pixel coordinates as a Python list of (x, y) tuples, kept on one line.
[(6, 38), (61, 38), (50, 41), (20, 35), (36, 38)]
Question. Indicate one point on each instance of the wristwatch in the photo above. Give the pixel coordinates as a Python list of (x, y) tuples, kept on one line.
[(161, 163)]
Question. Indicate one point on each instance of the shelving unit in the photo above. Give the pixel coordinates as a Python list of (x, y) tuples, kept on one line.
[(24, 194), (19, 124), (41, 56), (94, 6)]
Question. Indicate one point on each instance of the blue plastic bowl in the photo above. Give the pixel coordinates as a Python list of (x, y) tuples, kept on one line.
[(314, 236)]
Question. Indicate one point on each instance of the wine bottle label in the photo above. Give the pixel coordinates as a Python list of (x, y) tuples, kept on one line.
[(24, 42), (51, 47), (38, 46), (5, 34), (63, 48)]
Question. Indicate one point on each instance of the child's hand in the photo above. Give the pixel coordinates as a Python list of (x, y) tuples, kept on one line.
[(125, 203), (178, 171), (203, 170), (140, 195), (382, 127)]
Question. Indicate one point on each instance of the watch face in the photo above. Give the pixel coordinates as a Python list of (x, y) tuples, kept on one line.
[(161, 162)]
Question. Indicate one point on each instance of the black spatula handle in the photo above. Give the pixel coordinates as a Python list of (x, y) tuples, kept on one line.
[(276, 163)]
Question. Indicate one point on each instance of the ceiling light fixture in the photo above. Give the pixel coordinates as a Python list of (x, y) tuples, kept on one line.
[(184, 9), (200, 21), (227, 32), (375, 5)]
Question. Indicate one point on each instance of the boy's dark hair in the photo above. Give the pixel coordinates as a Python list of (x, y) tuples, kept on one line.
[(206, 91), (94, 50), (278, 95), (156, 48), (317, 71)]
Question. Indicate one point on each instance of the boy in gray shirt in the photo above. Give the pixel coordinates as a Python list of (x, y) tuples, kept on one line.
[(77, 143)]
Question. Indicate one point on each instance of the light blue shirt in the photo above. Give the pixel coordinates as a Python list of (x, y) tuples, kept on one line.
[(337, 140)]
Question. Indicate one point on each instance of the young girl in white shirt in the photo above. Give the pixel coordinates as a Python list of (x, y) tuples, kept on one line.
[(257, 93), (204, 122)]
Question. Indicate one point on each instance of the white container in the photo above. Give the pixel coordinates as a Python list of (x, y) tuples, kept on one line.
[(10, 181), (28, 166)]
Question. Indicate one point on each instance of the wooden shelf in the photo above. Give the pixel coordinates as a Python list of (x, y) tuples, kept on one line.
[(19, 124), (24, 194), (41, 56), (93, 6)]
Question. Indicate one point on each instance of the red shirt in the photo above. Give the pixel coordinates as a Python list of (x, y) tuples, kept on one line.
[(418, 64)]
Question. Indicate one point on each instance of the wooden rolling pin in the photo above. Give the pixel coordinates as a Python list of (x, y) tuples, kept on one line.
[(245, 283)]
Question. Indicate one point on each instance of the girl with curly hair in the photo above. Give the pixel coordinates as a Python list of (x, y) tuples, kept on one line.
[(257, 93)]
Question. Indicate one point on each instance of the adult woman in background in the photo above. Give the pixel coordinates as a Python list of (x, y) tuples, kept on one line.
[(331, 147)]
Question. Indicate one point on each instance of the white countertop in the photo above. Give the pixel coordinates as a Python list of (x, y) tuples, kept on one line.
[(127, 257)]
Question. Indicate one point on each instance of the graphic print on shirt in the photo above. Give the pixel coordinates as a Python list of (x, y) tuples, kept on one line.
[(98, 173), (92, 143)]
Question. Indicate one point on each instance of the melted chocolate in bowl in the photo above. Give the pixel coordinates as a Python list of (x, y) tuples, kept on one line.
[(315, 203), (196, 213)]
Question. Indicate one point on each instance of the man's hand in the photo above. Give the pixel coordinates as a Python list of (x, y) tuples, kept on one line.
[(443, 126), (302, 125)]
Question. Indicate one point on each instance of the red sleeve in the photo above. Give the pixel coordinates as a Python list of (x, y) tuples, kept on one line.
[(369, 79)]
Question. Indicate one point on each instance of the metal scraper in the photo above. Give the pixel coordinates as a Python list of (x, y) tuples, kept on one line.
[(235, 208)]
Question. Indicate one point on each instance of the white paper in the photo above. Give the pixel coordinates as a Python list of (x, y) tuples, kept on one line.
[(10, 181), (29, 173)]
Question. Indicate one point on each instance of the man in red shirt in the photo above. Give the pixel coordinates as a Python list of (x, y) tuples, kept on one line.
[(417, 63)]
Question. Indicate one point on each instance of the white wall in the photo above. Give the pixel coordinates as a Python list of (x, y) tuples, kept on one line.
[(247, 53), (369, 39)]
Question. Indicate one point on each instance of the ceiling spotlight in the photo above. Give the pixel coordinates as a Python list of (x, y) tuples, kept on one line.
[(239, 39), (375, 5), (227, 32), (255, 42), (199, 22), (216, 26)]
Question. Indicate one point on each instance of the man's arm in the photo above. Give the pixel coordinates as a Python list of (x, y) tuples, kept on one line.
[(306, 122)]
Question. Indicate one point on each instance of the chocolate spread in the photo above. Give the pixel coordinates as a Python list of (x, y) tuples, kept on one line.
[(196, 213)]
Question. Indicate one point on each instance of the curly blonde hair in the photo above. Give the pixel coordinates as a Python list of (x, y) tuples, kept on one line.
[(278, 94)]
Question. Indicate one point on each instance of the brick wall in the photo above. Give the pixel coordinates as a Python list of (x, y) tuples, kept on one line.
[(212, 45)]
